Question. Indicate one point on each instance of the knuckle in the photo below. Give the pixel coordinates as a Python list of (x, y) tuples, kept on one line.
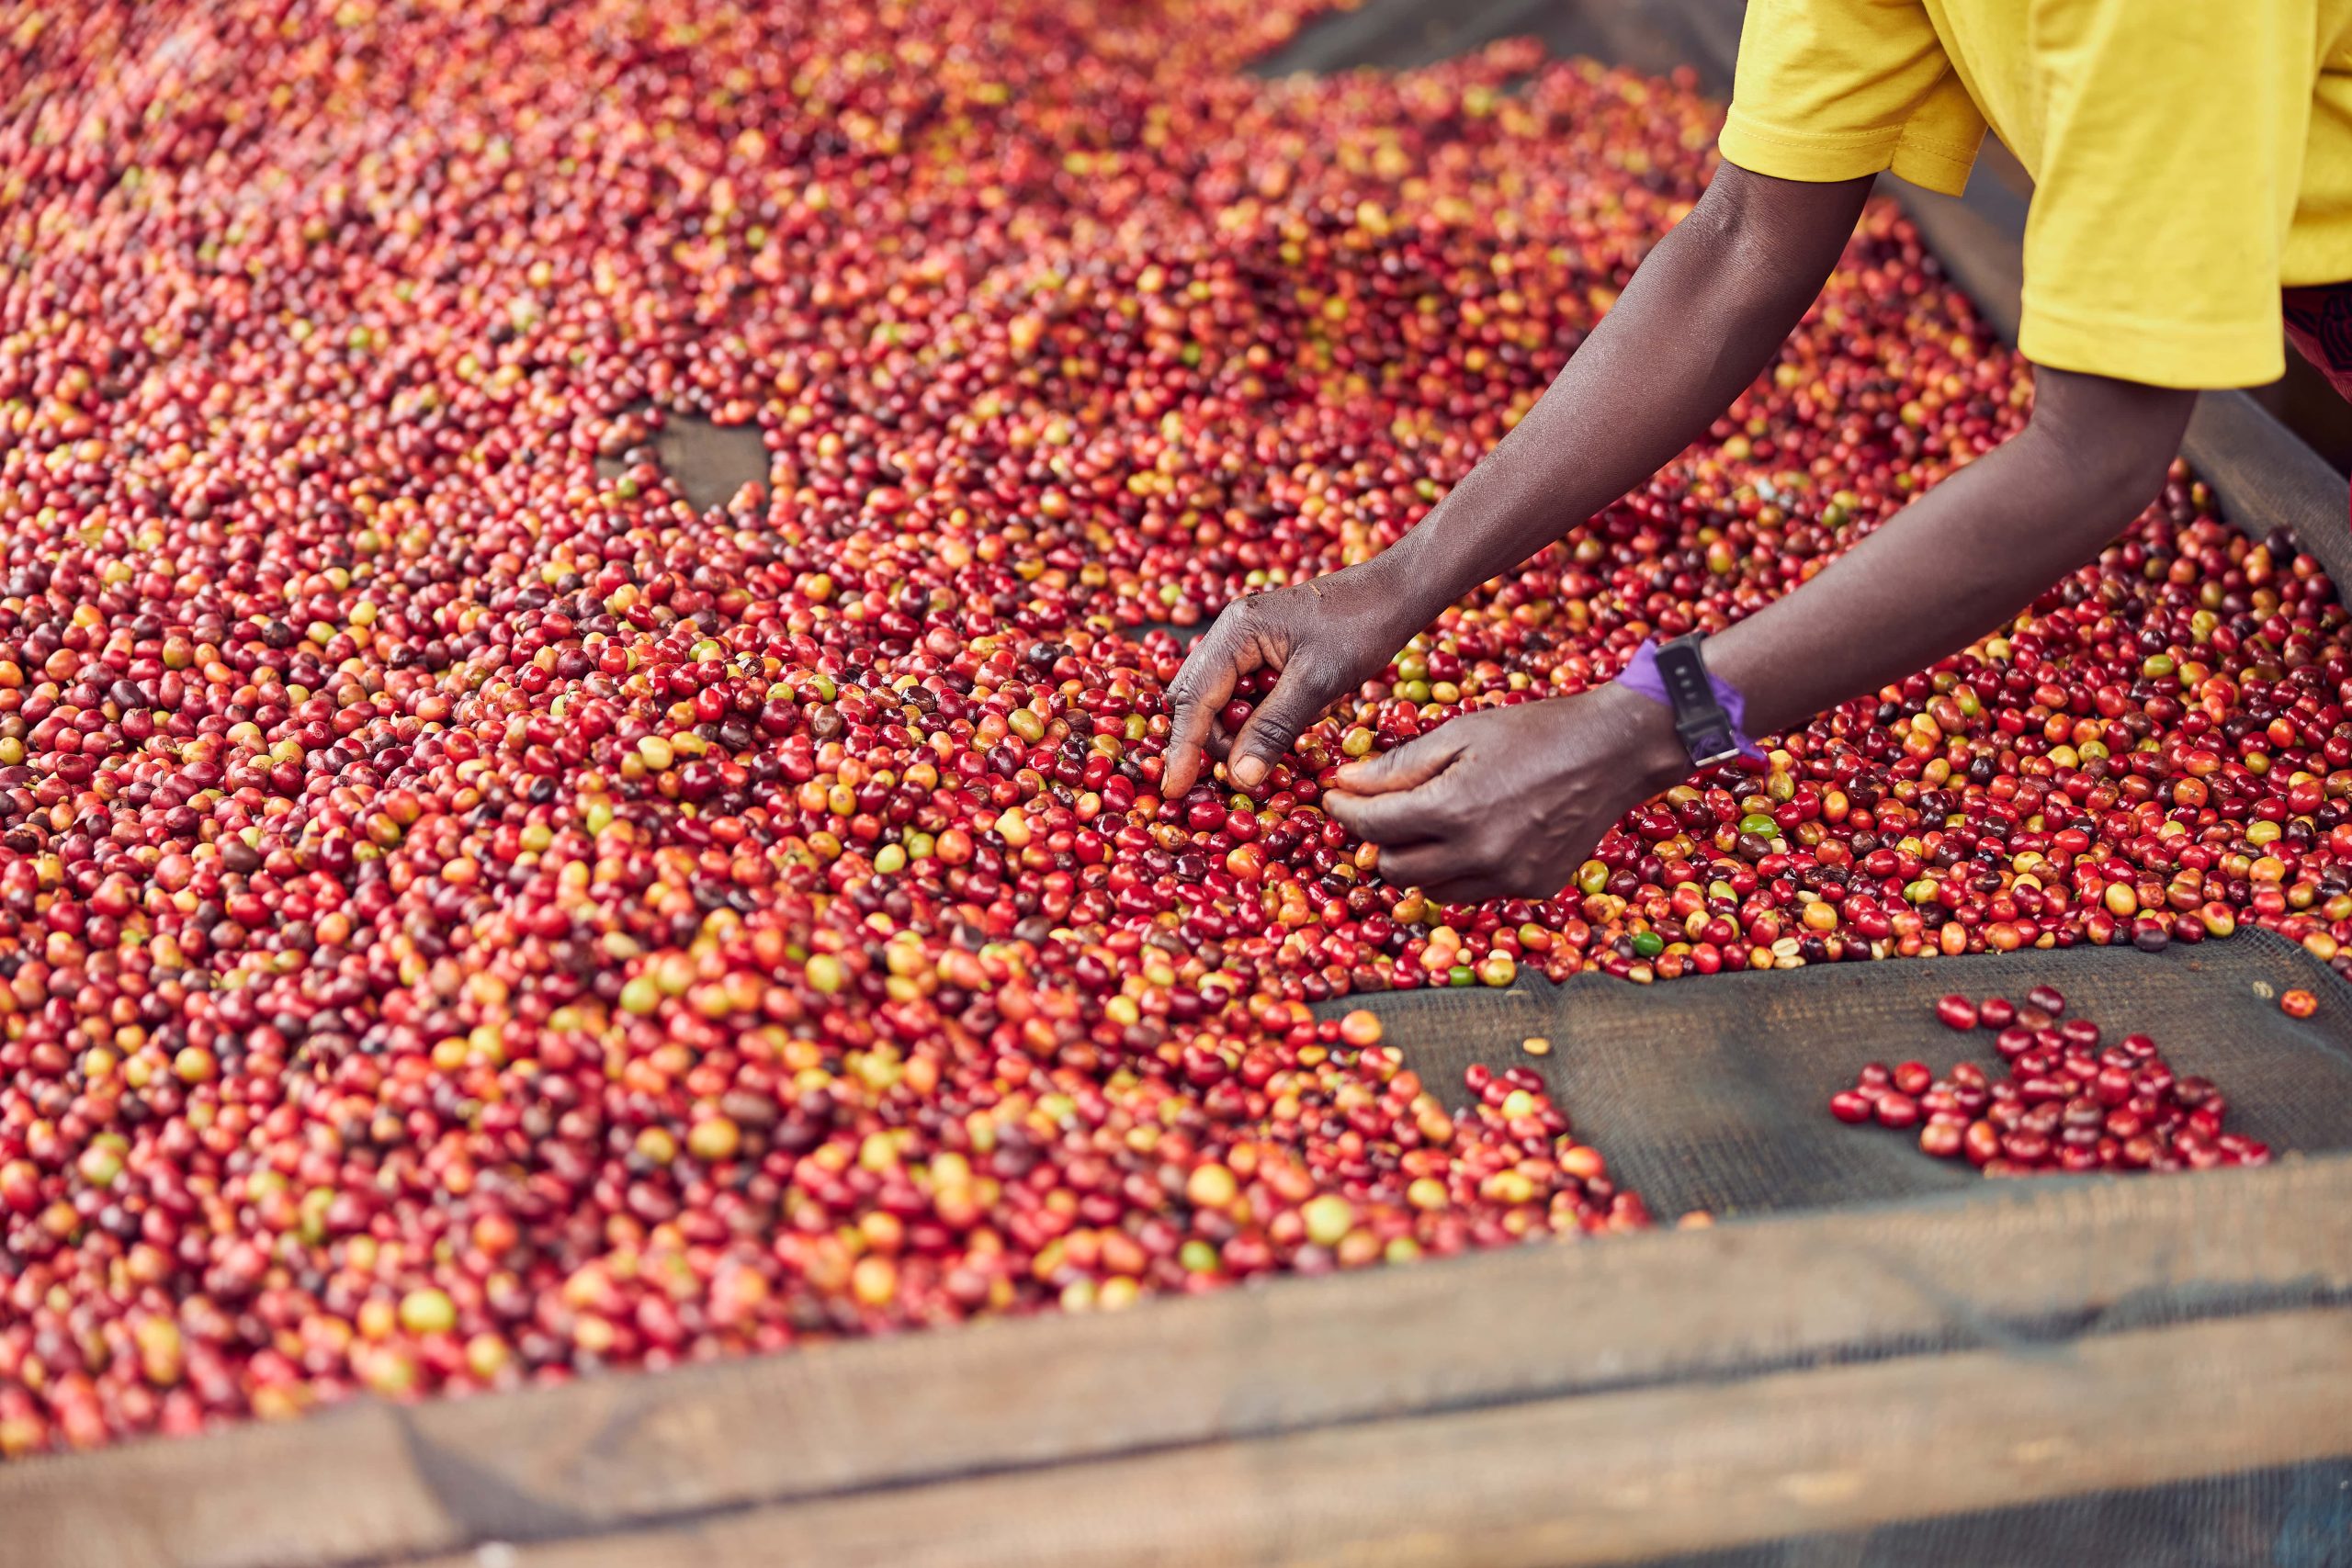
[(1212, 637), (1255, 622), (1189, 687)]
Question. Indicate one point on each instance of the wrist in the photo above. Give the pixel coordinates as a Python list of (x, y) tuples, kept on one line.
[(1414, 577), (1653, 753)]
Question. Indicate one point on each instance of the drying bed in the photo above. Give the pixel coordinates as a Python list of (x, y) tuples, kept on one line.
[(1334, 1389)]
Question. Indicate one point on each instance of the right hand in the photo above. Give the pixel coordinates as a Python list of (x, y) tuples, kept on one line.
[(1327, 637)]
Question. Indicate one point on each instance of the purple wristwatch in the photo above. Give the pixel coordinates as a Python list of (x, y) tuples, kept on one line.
[(1707, 709)]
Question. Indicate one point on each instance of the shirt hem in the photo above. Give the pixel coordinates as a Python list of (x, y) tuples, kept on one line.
[(1934, 167), (1820, 157), (2191, 355)]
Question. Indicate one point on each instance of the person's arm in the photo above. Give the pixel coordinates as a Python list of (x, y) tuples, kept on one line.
[(1966, 556), (1511, 800), (1703, 315)]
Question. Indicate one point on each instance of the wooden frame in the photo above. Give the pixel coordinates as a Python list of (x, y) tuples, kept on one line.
[(1608, 1478)]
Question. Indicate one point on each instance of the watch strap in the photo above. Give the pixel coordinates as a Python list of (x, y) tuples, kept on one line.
[(1707, 710)]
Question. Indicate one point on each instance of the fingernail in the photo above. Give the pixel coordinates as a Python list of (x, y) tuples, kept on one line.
[(1249, 770)]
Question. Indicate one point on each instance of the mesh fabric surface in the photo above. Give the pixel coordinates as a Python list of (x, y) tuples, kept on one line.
[(2295, 1518), (1712, 1093)]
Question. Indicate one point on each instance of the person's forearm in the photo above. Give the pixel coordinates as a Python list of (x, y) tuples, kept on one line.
[(1703, 315), (1964, 558)]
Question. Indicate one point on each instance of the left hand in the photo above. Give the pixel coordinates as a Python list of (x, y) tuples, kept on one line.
[(1509, 802)]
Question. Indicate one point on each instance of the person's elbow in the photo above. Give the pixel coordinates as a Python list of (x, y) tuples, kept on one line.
[(1774, 237), (2109, 443)]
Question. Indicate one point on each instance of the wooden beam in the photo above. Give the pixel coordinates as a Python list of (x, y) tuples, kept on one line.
[(342, 1488), (1602, 1479), (2268, 478)]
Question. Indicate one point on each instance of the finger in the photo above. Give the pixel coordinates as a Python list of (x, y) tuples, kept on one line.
[(1298, 701), (1401, 819), (1427, 866), (1201, 688), (1502, 877), (1409, 766), (1474, 890)]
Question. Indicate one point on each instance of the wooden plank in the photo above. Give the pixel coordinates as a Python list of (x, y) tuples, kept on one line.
[(1604, 1479), (1738, 1300), (341, 1487)]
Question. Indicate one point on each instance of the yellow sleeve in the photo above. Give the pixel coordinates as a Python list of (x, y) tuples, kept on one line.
[(2171, 158), (1836, 89)]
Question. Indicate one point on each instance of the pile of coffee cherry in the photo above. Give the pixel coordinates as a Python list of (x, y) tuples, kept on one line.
[(2067, 1102)]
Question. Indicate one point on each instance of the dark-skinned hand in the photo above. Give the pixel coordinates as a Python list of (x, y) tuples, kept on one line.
[(1509, 802), (1327, 637)]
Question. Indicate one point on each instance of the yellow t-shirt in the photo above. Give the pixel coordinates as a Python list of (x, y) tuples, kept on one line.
[(2189, 157)]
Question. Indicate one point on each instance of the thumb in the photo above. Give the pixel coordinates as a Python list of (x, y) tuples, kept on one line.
[(1409, 766), (1298, 701)]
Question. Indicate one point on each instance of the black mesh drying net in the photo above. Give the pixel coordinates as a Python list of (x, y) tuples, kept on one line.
[(1712, 1094), (2299, 1516)]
